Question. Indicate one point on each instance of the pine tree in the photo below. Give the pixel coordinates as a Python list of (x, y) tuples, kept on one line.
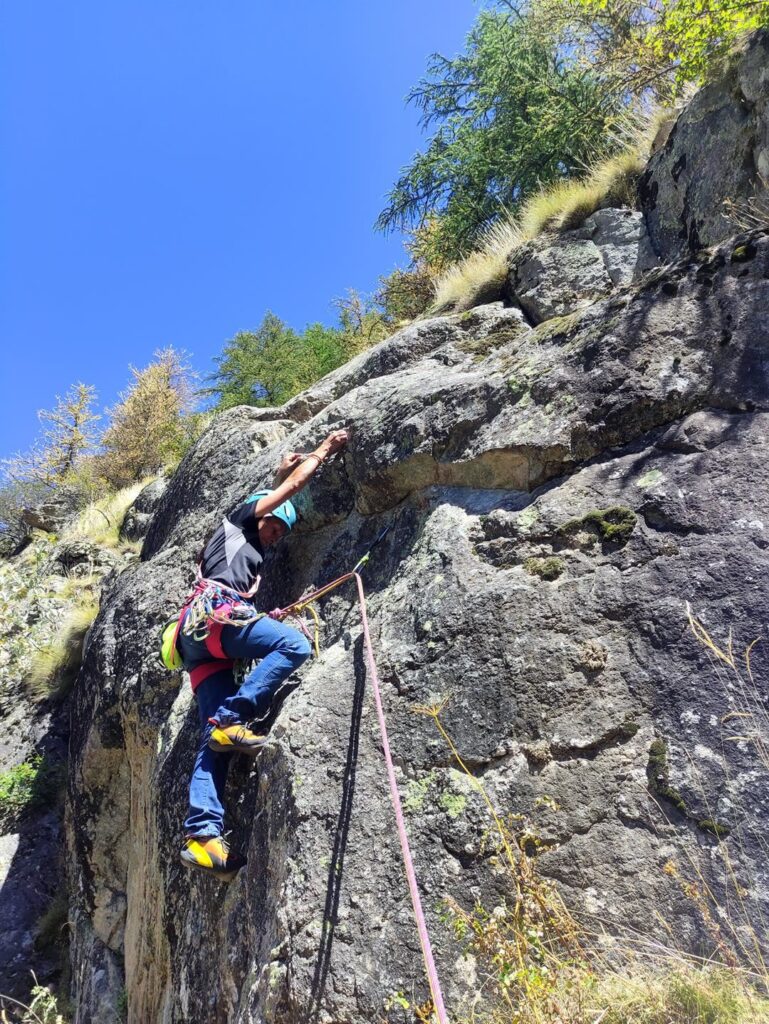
[(506, 116), (271, 364)]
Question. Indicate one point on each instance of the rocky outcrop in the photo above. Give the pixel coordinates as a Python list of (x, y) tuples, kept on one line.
[(52, 512), (715, 158), (557, 495), (137, 519), (80, 557), (47, 593), (555, 275)]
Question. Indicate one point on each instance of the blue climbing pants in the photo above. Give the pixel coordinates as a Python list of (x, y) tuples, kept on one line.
[(281, 650)]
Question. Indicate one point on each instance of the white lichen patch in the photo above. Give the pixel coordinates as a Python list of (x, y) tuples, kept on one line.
[(706, 754), (650, 479), (689, 718)]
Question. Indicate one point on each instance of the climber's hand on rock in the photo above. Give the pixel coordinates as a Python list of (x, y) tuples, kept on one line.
[(287, 465), (335, 441), (289, 462)]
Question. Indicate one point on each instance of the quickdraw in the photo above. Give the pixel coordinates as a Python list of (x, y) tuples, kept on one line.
[(306, 602)]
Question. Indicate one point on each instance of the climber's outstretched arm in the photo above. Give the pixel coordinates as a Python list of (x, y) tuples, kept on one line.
[(305, 467)]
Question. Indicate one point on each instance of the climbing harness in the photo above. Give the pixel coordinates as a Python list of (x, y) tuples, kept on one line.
[(212, 604)]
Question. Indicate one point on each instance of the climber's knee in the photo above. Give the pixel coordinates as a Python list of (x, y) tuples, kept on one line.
[(296, 647)]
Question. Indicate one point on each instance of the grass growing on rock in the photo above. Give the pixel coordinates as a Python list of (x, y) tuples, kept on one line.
[(537, 965), (568, 204), (55, 666), (100, 521), (34, 783), (481, 276)]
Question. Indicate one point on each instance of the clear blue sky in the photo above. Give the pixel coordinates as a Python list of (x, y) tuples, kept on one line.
[(170, 169)]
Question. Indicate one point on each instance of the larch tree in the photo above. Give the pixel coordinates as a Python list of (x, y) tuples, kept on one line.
[(68, 435), (148, 427)]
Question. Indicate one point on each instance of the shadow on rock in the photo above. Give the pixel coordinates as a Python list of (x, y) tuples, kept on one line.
[(341, 833)]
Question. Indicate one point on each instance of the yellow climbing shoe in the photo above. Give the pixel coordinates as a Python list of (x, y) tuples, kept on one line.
[(211, 854), (231, 738)]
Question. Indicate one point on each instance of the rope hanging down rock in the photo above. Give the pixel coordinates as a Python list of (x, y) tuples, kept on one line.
[(408, 863), (424, 938)]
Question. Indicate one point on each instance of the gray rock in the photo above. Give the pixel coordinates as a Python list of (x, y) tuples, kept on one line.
[(621, 237), (80, 557), (495, 318), (402, 348), (52, 513), (14, 538), (717, 150), (553, 276), (26, 893), (556, 497), (558, 275), (137, 519)]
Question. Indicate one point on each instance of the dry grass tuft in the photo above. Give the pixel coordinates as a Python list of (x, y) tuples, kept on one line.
[(481, 276), (678, 994), (751, 213), (55, 666), (569, 203), (100, 522)]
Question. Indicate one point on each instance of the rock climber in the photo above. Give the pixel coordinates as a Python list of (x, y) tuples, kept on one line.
[(222, 602)]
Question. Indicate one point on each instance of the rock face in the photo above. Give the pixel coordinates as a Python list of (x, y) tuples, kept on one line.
[(53, 512), (137, 519), (718, 149), (556, 496), (557, 275), (39, 590)]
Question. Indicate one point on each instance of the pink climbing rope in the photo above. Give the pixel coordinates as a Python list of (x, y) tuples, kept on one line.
[(424, 938)]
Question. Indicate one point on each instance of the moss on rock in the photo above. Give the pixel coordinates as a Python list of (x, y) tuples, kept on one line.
[(612, 525), (517, 388), (658, 774), (546, 568), (714, 827), (556, 327), (744, 253)]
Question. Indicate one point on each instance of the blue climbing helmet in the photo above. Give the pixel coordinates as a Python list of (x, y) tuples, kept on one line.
[(285, 512)]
